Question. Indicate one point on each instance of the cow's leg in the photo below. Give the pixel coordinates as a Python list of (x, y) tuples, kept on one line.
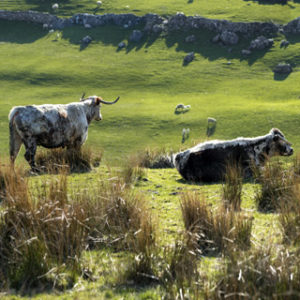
[(15, 143), (30, 146)]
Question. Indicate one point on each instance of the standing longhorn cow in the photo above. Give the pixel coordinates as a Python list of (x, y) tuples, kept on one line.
[(52, 126)]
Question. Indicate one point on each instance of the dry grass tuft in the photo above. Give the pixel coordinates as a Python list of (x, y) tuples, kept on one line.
[(289, 217), (156, 158), (39, 232), (276, 185), (232, 189), (180, 273), (217, 231), (77, 161), (261, 274)]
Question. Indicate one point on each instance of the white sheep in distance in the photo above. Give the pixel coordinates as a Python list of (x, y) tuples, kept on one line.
[(55, 6), (182, 108), (99, 3)]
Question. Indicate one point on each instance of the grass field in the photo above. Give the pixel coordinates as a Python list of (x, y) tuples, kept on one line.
[(242, 93)]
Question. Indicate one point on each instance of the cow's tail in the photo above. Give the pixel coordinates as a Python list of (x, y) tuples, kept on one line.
[(15, 140)]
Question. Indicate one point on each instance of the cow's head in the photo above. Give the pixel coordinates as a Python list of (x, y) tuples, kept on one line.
[(279, 145), (95, 105)]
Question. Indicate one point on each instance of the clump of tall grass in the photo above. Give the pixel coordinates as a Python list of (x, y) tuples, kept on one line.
[(217, 231), (180, 268), (271, 273), (39, 232), (77, 161), (289, 217), (156, 158), (276, 185), (132, 171), (232, 189), (119, 217)]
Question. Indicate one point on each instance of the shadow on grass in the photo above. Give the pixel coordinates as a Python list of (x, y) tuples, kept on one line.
[(280, 77), (21, 32), (211, 51)]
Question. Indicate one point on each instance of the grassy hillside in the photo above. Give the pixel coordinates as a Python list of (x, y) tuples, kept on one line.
[(235, 10), (241, 93)]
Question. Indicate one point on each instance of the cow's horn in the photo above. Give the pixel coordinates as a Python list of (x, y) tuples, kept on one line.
[(105, 102)]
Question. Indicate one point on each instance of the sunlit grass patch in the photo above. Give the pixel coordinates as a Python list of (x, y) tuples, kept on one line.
[(75, 161)]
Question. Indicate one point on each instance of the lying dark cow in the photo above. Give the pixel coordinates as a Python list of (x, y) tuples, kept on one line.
[(52, 126), (207, 161)]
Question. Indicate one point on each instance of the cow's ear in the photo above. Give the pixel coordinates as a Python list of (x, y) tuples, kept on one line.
[(98, 100), (276, 138)]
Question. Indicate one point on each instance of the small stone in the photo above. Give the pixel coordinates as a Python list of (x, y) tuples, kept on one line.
[(229, 37), (190, 39), (189, 57), (87, 26), (284, 43), (246, 52), (157, 28), (121, 45), (87, 39), (136, 36), (283, 68), (216, 39)]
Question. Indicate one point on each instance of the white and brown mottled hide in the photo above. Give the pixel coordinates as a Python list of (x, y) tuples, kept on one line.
[(51, 126), (207, 161)]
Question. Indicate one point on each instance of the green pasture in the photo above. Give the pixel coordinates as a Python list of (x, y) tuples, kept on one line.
[(243, 94), (235, 10)]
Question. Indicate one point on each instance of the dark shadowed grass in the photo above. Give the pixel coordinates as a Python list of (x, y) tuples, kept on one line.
[(218, 230), (264, 273), (77, 161), (276, 185), (232, 189)]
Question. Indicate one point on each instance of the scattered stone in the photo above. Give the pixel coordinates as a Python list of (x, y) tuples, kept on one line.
[(136, 36), (229, 37), (283, 68), (190, 39), (45, 26), (189, 57), (121, 45), (99, 3), (260, 43), (216, 38), (246, 52), (51, 30), (157, 186), (174, 193), (145, 179), (88, 26), (87, 39), (284, 43), (157, 28)]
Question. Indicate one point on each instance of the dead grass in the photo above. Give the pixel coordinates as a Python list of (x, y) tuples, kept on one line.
[(180, 268), (217, 231), (52, 161), (155, 158), (232, 189), (276, 185), (289, 217), (264, 273)]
